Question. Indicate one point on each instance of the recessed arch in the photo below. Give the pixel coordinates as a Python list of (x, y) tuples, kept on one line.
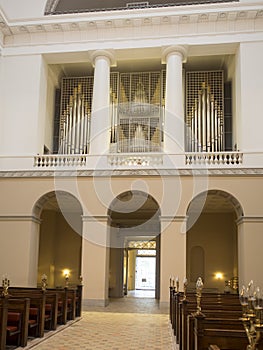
[(60, 237), (213, 201), (212, 227), (134, 206), (134, 217)]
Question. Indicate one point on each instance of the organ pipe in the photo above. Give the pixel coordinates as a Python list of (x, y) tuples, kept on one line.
[(75, 125), (205, 123)]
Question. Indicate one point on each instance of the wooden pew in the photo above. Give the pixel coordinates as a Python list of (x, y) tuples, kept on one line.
[(219, 314), (210, 306), (18, 307), (209, 301), (3, 322), (37, 308), (185, 307), (44, 309), (226, 333), (79, 300)]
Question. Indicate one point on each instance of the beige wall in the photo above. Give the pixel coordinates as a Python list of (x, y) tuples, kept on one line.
[(22, 90), (20, 195), (131, 268), (60, 248), (216, 235)]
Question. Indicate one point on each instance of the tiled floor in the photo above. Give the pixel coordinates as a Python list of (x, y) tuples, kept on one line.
[(128, 323)]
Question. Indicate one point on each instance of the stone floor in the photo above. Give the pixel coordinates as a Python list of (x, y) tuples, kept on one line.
[(130, 323)]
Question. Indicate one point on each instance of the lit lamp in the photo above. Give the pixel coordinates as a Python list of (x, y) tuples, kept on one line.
[(252, 305), (219, 276), (66, 276)]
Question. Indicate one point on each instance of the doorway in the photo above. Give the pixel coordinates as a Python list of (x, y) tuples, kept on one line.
[(145, 273), (134, 245)]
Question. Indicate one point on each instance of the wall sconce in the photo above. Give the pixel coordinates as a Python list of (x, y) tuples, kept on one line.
[(218, 276), (66, 275)]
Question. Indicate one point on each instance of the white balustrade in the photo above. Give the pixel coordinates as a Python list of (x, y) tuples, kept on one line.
[(53, 160), (135, 160), (214, 158)]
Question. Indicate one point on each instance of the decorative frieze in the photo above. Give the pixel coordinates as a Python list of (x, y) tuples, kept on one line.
[(132, 172)]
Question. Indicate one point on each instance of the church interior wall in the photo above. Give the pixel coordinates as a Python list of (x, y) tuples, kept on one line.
[(215, 234)]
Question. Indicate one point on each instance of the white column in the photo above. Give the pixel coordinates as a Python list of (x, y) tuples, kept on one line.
[(100, 117), (95, 260), (250, 258), (173, 253), (19, 249), (174, 130)]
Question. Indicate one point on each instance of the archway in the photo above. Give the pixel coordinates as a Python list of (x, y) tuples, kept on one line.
[(212, 246), (60, 238), (134, 234)]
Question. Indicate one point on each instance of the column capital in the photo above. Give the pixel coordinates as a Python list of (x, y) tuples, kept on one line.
[(109, 54), (180, 50)]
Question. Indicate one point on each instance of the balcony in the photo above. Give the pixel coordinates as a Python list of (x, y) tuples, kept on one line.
[(238, 162)]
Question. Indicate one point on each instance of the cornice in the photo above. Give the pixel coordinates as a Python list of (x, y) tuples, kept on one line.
[(203, 13), (238, 172)]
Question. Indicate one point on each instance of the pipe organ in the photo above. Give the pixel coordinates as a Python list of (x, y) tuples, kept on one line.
[(136, 113), (204, 106), (75, 118)]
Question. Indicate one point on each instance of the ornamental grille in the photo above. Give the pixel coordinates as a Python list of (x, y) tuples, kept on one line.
[(138, 113), (76, 104), (205, 111)]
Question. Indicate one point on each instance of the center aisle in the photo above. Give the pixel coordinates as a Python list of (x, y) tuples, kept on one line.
[(127, 323)]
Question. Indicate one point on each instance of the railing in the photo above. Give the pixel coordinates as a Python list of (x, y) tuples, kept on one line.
[(139, 159), (54, 160), (217, 158)]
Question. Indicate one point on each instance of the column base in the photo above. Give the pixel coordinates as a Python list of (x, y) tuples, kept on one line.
[(86, 303)]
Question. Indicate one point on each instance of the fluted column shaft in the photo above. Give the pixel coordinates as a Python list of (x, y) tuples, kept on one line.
[(100, 119), (174, 113)]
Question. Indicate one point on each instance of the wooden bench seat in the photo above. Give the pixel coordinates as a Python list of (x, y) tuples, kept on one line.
[(32, 311), (20, 306)]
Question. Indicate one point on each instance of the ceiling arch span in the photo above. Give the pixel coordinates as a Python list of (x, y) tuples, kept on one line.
[(78, 6), (59, 201), (213, 201)]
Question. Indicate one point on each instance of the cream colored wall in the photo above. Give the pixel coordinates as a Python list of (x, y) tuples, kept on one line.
[(116, 273), (250, 237), (172, 254), (95, 261), (60, 248), (215, 233), (131, 269), (18, 253), (22, 92), (48, 127), (19, 196), (47, 247), (250, 91)]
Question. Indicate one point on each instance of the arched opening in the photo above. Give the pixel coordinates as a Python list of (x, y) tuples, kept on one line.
[(134, 246), (60, 238), (212, 246)]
